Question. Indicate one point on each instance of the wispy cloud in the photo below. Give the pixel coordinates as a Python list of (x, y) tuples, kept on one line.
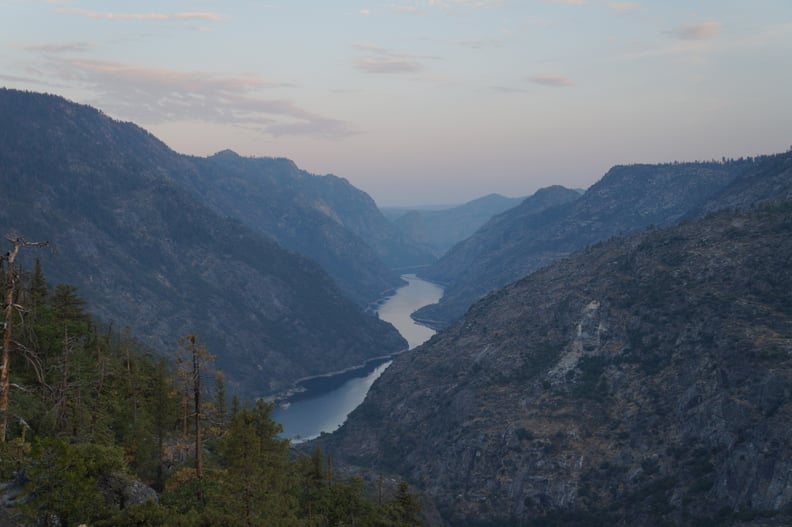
[(381, 60), (508, 89), (475, 4), (703, 31), (65, 47), (18, 78), (481, 43), (420, 8), (623, 6), (153, 96), (568, 2), (406, 9), (107, 15), (551, 80)]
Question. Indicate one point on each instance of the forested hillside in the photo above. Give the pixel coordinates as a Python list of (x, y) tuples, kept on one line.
[(103, 432)]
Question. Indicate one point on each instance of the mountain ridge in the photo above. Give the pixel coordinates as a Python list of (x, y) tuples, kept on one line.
[(147, 254), (642, 380), (301, 211), (442, 229), (627, 198)]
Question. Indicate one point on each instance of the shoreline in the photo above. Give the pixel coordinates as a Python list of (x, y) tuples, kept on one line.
[(314, 385), (325, 382)]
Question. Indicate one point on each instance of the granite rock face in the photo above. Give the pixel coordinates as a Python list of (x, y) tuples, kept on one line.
[(627, 199), (646, 380)]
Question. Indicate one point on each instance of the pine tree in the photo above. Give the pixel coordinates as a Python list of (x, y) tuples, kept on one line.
[(39, 290), (257, 484), (220, 402)]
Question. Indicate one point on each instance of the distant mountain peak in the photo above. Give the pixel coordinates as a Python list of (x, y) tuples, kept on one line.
[(226, 153)]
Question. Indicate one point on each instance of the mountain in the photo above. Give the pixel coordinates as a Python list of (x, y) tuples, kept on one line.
[(523, 239), (644, 380), (442, 229), (148, 253), (317, 216)]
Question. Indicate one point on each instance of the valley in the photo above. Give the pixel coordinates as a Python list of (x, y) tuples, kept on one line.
[(327, 400), (615, 356)]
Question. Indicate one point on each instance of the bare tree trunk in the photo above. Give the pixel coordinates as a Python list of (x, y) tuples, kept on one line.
[(197, 398), (197, 356), (8, 310)]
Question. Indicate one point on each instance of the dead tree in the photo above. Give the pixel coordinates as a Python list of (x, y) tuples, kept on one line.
[(193, 366), (9, 306)]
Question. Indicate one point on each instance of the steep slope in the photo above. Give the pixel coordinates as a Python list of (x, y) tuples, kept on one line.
[(626, 199), (147, 254), (769, 179), (302, 212), (325, 216), (442, 229), (642, 381)]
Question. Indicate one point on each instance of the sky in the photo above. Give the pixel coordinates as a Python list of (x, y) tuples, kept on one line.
[(423, 101)]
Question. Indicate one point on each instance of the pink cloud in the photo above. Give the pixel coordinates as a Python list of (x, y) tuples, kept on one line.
[(106, 15), (66, 47), (703, 31), (381, 60), (551, 80), (156, 95), (623, 6)]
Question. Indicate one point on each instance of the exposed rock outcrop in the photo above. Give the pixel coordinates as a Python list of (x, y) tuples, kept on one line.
[(626, 199), (646, 380)]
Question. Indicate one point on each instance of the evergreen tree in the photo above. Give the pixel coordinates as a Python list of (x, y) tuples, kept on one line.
[(38, 290), (96, 410), (220, 402), (256, 486)]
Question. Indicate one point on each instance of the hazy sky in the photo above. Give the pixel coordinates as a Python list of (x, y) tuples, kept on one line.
[(423, 101)]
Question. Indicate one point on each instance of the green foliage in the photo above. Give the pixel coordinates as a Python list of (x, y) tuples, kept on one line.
[(255, 485), (96, 411), (65, 480)]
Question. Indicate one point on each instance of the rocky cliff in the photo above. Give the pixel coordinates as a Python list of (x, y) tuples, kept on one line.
[(147, 253), (643, 381), (626, 199)]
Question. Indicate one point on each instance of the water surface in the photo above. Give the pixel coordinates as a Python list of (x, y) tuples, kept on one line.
[(325, 404)]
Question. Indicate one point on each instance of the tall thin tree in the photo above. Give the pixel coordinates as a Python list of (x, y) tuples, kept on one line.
[(197, 355), (9, 306)]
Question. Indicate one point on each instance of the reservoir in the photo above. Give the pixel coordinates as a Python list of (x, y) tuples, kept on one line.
[(327, 401)]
